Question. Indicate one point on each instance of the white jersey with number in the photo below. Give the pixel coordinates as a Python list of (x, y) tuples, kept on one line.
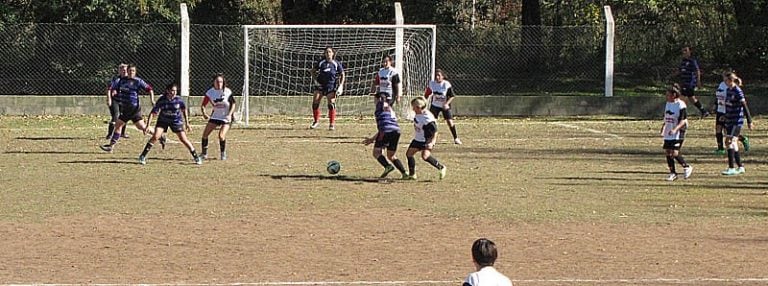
[(674, 112), (221, 100), (441, 91), (419, 121), (720, 93), (386, 78), (487, 276)]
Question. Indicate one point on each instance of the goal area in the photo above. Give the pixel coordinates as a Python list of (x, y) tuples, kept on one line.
[(278, 60)]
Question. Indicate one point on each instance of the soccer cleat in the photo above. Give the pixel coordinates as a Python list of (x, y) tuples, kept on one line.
[(746, 143), (719, 152), (387, 170), (409, 177), (688, 171), (443, 172), (704, 114), (107, 148), (741, 170), (672, 177), (314, 125), (457, 141), (125, 136), (332, 127), (142, 160), (223, 156), (199, 160), (204, 156), (163, 140), (730, 172)]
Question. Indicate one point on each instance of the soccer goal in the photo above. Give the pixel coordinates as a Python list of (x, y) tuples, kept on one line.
[(278, 60)]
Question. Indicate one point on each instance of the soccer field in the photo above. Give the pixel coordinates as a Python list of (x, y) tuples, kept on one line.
[(570, 201)]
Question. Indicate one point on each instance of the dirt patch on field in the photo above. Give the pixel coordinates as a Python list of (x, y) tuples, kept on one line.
[(371, 246)]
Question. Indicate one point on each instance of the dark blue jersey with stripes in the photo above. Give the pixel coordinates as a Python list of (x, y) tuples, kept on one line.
[(734, 108), (386, 120), (689, 68), (128, 90), (169, 110), (328, 72)]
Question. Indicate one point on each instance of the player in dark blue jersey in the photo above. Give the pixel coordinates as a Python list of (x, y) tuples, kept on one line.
[(126, 92), (718, 105), (387, 136), (689, 74), (736, 111), (114, 107), (171, 113), (329, 75)]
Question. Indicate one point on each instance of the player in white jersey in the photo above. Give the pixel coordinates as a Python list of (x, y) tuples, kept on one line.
[(387, 82), (719, 106), (673, 131), (424, 138), (484, 255), (223, 107), (441, 92)]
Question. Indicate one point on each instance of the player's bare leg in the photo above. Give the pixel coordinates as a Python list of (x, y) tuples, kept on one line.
[(152, 140), (223, 141), (185, 140), (398, 164), (206, 132), (452, 126), (316, 109), (331, 98), (115, 136)]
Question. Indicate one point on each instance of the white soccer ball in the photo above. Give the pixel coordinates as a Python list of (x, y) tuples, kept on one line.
[(333, 167)]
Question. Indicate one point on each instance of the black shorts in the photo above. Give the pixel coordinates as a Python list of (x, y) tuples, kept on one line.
[(418, 145), (130, 113), (218, 122), (720, 119), (688, 90), (436, 111), (732, 130), (326, 89), (389, 141), (175, 127), (673, 144)]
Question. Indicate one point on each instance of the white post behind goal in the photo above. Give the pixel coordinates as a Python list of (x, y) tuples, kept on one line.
[(609, 41), (278, 60)]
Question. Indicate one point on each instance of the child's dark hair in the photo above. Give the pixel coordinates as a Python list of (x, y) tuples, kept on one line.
[(674, 89), (224, 80), (484, 252), (171, 85)]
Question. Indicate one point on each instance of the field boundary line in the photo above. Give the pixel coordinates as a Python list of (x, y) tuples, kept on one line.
[(590, 130), (444, 282)]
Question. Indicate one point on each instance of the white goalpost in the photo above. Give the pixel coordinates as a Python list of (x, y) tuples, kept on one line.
[(278, 58)]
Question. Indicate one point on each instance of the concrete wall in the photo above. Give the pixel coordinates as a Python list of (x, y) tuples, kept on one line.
[(636, 106)]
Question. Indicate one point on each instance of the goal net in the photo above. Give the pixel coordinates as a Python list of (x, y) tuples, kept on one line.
[(278, 60)]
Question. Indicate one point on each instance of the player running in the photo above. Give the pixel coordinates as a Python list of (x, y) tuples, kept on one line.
[(126, 92), (719, 104), (424, 138), (171, 112), (388, 136), (690, 78), (387, 82), (736, 110), (329, 75), (114, 107), (442, 95), (223, 109), (673, 131)]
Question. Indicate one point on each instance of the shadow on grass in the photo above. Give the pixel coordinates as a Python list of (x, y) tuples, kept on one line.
[(52, 152), (97, 162), (329, 178), (51, 138)]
